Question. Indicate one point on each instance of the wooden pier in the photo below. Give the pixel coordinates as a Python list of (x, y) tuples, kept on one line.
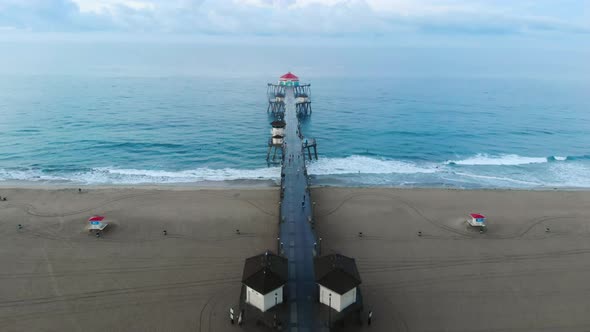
[(296, 221), (297, 241)]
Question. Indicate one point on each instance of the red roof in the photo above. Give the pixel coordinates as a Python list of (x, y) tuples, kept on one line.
[(289, 77), (96, 218), (477, 216)]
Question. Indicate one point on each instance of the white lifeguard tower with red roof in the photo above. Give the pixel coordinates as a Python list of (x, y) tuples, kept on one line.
[(477, 220), (97, 223), (289, 79)]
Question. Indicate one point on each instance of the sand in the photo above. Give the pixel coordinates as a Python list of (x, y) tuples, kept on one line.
[(514, 277), (54, 276)]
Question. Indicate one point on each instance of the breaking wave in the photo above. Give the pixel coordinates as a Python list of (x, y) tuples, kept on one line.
[(478, 171), (506, 159), (366, 165), (134, 176)]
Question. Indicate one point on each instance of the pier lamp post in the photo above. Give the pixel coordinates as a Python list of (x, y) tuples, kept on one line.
[(330, 310), (276, 309)]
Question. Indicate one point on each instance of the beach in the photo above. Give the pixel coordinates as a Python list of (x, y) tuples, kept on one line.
[(57, 277), (527, 272), (514, 277)]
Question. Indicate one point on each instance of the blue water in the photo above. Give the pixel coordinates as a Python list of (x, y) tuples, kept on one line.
[(461, 131)]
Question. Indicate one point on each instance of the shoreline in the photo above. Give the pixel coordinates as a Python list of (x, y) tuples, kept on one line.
[(262, 185)]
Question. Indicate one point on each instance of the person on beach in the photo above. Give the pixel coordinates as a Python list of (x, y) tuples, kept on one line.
[(241, 317)]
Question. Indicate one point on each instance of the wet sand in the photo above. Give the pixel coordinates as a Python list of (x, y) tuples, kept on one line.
[(515, 277)]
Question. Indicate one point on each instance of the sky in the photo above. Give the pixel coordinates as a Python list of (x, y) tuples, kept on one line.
[(335, 18), (546, 38)]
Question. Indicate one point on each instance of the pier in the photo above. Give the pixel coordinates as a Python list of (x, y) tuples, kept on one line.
[(296, 233), (316, 291)]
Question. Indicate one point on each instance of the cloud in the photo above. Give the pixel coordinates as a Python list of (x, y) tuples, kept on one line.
[(48, 15), (311, 17)]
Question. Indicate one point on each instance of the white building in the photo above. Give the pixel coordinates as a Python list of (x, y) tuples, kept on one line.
[(264, 277), (338, 280), (335, 300)]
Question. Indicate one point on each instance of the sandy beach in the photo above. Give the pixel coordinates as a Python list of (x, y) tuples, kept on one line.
[(57, 277), (515, 277)]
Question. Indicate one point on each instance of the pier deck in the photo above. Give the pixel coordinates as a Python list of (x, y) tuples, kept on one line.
[(296, 233)]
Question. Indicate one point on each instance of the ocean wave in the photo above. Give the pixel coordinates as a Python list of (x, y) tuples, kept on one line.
[(569, 175), (584, 157), (556, 171), (557, 158), (108, 175), (366, 165), (28, 175), (482, 159), (496, 179)]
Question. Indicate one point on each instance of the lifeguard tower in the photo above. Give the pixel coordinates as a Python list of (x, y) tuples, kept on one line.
[(477, 220), (97, 223), (276, 140)]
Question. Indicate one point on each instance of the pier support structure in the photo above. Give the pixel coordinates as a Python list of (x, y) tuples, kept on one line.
[(276, 100), (303, 100), (310, 145)]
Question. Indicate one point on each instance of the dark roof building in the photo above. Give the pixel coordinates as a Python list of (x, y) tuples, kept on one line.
[(337, 272), (265, 272)]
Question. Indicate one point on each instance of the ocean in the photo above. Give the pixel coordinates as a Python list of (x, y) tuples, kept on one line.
[(373, 127)]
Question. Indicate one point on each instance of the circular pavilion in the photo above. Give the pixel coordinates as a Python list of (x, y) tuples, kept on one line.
[(289, 79)]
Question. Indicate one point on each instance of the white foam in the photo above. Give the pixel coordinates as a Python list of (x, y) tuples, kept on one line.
[(365, 165), (499, 178), (28, 175), (560, 158), (482, 159), (569, 175), (134, 176), (377, 170)]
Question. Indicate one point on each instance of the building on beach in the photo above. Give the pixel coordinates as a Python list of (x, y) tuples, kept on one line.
[(338, 279), (263, 278), (476, 219)]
